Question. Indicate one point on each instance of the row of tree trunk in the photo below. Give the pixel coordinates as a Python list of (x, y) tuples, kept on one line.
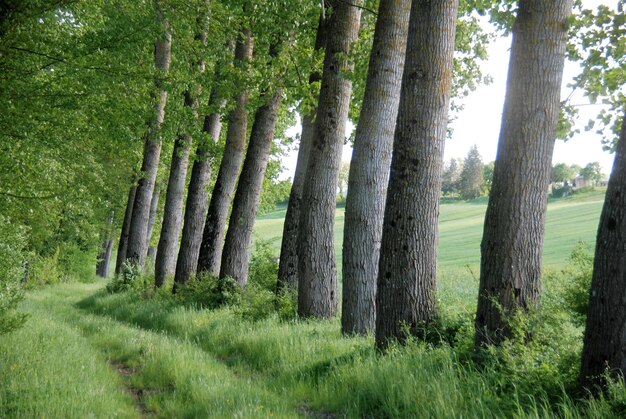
[(389, 261)]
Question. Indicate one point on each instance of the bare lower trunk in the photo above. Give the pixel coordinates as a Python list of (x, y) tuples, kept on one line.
[(154, 204), (137, 244), (317, 270), (288, 263), (408, 258), (195, 213), (236, 255), (213, 235), (369, 168), (104, 257), (512, 245), (173, 212), (603, 349), (123, 244)]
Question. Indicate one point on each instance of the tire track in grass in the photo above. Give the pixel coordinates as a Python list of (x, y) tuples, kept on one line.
[(171, 376)]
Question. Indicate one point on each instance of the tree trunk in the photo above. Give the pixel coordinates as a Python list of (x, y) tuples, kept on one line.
[(236, 256), (407, 274), (317, 270), (512, 245), (104, 257), (173, 212), (137, 244), (213, 235), (288, 262), (369, 168), (123, 244), (604, 344), (154, 204)]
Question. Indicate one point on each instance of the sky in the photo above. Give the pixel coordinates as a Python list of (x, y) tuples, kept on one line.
[(479, 122)]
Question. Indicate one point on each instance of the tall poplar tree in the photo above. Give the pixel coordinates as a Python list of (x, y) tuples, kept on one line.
[(317, 270), (512, 245), (210, 251), (408, 259), (288, 262), (369, 168), (137, 247)]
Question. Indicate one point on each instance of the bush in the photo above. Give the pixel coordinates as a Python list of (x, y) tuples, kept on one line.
[(12, 271), (578, 275), (76, 264), (208, 291), (43, 270), (129, 279)]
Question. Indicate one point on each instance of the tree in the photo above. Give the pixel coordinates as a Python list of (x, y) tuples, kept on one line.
[(342, 180), (488, 176), (408, 258), (211, 245), (592, 171), (137, 247), (104, 257), (122, 245), (317, 271), (471, 179), (154, 204), (606, 317), (288, 262), (450, 177), (165, 262), (236, 255), (512, 244), (369, 168), (562, 172)]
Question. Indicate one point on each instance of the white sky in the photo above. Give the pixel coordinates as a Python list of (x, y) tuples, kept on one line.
[(479, 122)]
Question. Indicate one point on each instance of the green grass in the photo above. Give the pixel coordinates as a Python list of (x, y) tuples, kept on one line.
[(86, 353), (569, 221)]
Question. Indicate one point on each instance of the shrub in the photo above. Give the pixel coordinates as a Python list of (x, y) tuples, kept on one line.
[(76, 264), (578, 282), (12, 271), (208, 291), (43, 270), (129, 279)]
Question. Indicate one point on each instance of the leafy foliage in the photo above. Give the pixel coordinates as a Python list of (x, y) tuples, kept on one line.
[(12, 241)]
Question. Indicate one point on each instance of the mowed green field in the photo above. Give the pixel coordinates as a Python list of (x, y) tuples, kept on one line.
[(569, 221)]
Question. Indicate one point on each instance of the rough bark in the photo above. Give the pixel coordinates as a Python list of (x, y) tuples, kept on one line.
[(288, 262), (512, 245), (604, 348), (154, 204), (213, 235), (173, 211), (408, 258), (236, 255), (369, 168), (123, 243), (137, 244), (317, 270), (104, 257)]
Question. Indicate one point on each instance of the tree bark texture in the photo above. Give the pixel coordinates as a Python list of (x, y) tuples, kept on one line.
[(288, 262), (213, 235), (512, 245), (369, 168), (317, 270), (236, 255), (167, 249), (137, 244), (408, 258), (154, 204), (605, 334), (123, 244), (104, 257)]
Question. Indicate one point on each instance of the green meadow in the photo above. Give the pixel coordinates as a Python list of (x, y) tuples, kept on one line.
[(87, 353)]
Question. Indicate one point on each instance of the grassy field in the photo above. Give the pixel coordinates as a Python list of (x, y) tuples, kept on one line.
[(87, 353), (569, 221)]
